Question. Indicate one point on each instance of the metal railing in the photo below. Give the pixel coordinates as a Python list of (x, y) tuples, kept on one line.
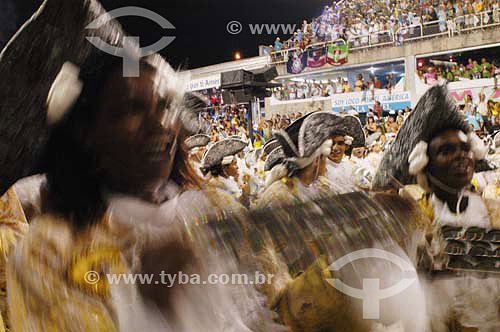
[(380, 38), (439, 28), (472, 22)]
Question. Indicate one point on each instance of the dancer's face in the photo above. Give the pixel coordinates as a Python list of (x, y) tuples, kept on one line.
[(451, 159), (135, 145), (338, 149)]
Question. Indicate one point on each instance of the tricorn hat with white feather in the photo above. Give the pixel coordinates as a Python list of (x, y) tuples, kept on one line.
[(304, 136), (29, 65), (43, 69), (435, 112), (217, 152), (351, 127)]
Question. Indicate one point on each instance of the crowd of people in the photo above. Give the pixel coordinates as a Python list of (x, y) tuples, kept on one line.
[(306, 90), (481, 115), (453, 71), (355, 21), (120, 212)]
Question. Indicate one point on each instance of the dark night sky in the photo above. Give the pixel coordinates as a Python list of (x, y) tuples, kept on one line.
[(201, 35)]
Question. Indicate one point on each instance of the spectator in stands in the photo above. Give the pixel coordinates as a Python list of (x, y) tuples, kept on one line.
[(378, 110), (492, 110), (478, 6), (482, 109), (391, 126), (449, 75), (441, 15), (469, 105), (496, 72), (470, 64), (383, 138), (330, 89), (485, 68), (389, 83), (496, 124), (301, 92), (496, 8), (359, 84), (431, 15), (370, 88), (371, 126), (476, 70), (346, 86), (460, 21), (215, 135), (340, 85), (431, 76), (300, 35), (420, 74), (400, 118), (278, 45), (465, 72), (378, 83), (267, 130), (456, 72), (305, 27), (407, 112), (474, 119), (316, 90), (495, 112)]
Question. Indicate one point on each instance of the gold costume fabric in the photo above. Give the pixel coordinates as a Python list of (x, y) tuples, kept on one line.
[(49, 288), (13, 226)]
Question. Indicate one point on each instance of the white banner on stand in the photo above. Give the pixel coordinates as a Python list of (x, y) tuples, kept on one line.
[(212, 81)]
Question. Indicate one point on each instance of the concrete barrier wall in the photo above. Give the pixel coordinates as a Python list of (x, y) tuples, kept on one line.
[(299, 106)]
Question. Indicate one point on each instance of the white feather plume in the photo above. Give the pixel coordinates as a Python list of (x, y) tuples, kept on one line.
[(477, 146), (63, 93), (326, 148), (348, 140), (227, 160), (418, 159)]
